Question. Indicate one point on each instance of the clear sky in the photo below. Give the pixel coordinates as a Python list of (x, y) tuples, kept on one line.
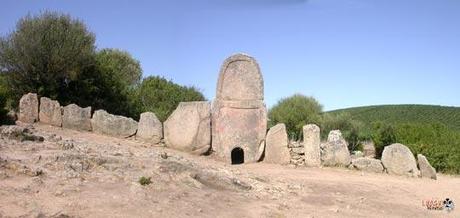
[(344, 53)]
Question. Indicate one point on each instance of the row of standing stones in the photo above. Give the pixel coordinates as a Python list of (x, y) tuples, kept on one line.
[(239, 128), (396, 158)]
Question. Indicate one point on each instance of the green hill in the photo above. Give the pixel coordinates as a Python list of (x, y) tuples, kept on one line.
[(403, 114), (427, 129)]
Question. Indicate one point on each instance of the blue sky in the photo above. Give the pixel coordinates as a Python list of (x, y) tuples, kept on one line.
[(344, 53)]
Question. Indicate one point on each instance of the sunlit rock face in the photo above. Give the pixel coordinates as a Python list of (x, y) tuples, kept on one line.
[(239, 115)]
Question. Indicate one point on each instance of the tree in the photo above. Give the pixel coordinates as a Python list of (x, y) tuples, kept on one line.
[(119, 64), (45, 54), (161, 96), (115, 79), (295, 112)]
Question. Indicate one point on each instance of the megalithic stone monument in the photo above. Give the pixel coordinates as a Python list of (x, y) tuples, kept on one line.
[(239, 115)]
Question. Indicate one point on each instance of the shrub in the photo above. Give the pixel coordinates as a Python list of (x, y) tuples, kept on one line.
[(439, 143), (45, 53), (161, 96), (145, 181), (295, 112), (117, 77), (120, 65), (383, 135)]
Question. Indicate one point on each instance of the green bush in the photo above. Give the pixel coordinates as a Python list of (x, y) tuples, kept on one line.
[(295, 112), (145, 181), (4, 98), (439, 143), (118, 76), (383, 135), (120, 65), (162, 96), (45, 53)]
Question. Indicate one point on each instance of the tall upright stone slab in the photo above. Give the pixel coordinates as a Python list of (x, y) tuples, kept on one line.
[(276, 150), (28, 108), (75, 117), (150, 128), (311, 143), (188, 128), (50, 112), (239, 116), (335, 151)]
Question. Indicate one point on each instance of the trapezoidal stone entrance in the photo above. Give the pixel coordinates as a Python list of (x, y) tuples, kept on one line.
[(239, 115)]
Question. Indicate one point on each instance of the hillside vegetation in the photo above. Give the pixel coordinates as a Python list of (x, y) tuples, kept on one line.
[(404, 114), (431, 130)]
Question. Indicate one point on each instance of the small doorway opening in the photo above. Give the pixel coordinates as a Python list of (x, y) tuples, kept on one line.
[(237, 156)]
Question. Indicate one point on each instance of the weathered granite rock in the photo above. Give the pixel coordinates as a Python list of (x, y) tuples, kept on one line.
[(28, 108), (276, 145), (426, 170), (239, 116), (335, 151), (311, 143), (188, 128), (113, 125), (369, 149), (149, 128), (399, 160), (50, 112), (75, 117), (367, 164)]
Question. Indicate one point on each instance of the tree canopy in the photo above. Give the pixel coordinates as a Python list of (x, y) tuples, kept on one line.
[(45, 53), (162, 96), (295, 112)]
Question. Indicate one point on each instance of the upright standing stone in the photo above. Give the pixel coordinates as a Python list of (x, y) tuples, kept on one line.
[(113, 125), (399, 160), (276, 149), (311, 142), (369, 149), (335, 151), (28, 108), (75, 117), (426, 170), (188, 128), (239, 116), (50, 112), (150, 128)]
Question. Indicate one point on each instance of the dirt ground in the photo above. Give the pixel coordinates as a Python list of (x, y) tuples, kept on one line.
[(81, 174)]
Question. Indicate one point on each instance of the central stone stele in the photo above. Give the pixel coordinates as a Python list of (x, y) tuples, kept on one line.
[(239, 115)]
